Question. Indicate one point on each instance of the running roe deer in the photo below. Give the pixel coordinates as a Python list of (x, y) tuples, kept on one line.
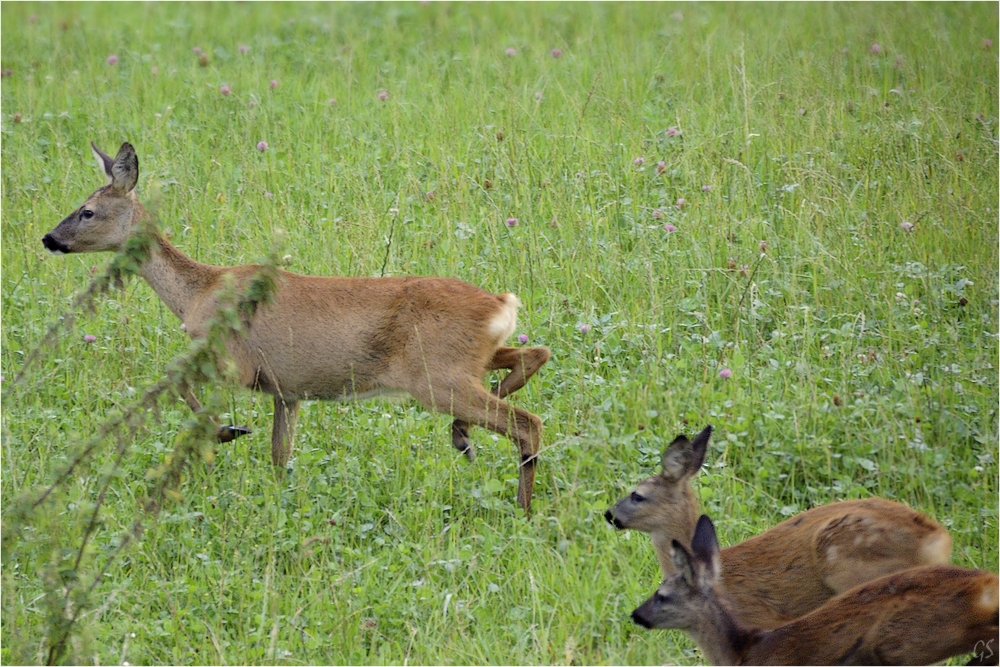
[(799, 564), (915, 616), (334, 338)]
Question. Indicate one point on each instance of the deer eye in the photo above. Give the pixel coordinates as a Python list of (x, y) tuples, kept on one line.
[(636, 498), (87, 214)]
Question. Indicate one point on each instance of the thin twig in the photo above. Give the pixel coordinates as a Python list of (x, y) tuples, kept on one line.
[(388, 243), (586, 103)]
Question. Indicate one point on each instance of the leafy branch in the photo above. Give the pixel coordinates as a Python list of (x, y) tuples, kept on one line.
[(66, 596)]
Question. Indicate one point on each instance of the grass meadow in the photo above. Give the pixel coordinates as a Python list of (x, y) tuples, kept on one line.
[(801, 197)]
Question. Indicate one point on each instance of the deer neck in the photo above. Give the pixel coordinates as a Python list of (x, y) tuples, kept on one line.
[(664, 551), (178, 280), (721, 636)]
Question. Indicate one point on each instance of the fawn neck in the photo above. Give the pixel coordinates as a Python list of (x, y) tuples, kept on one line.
[(720, 635), (177, 279), (664, 550)]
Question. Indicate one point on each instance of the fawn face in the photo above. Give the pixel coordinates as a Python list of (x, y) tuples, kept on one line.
[(105, 220), (686, 599), (665, 503)]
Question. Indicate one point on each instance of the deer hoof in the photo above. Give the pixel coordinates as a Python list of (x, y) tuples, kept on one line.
[(228, 433), (465, 446), (460, 440)]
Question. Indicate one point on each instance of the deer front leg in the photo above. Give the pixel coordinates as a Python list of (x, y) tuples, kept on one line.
[(460, 439), (523, 362), (226, 432), (286, 413)]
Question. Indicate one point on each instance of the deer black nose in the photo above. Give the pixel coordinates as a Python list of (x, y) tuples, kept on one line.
[(639, 620), (54, 246), (613, 520)]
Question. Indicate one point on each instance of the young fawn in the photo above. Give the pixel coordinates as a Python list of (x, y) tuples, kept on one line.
[(799, 564), (911, 617), (334, 338)]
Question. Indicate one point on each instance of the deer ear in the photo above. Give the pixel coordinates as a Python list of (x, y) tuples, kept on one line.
[(104, 162), (683, 458), (125, 170), (675, 458), (698, 448), (682, 562), (705, 546)]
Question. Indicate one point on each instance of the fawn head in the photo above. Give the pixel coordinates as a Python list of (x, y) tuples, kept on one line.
[(105, 220), (665, 503), (685, 599)]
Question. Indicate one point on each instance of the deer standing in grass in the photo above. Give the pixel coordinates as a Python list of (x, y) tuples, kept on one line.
[(799, 564), (915, 616), (334, 338)]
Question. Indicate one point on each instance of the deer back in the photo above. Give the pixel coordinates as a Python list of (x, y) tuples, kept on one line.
[(333, 338), (799, 564), (916, 616)]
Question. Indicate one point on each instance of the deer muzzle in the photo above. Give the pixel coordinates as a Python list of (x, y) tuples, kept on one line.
[(639, 619), (54, 246), (613, 520)]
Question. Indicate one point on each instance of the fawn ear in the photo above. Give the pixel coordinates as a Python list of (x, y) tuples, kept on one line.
[(104, 161), (705, 546), (698, 448), (683, 458), (683, 562), (675, 459), (125, 169)]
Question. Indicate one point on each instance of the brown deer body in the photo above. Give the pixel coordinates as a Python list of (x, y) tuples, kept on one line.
[(335, 338), (912, 617), (799, 564)]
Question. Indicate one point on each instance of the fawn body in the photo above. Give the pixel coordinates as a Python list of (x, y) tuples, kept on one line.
[(796, 566), (334, 337), (915, 616)]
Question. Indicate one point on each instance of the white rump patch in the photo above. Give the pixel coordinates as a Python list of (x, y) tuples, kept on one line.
[(988, 598), (505, 321), (937, 550), (831, 554)]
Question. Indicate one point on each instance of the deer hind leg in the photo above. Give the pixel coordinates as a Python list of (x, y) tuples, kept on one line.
[(523, 362), (286, 413), (470, 403), (224, 433)]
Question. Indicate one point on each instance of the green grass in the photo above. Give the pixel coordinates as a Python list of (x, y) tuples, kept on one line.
[(863, 357)]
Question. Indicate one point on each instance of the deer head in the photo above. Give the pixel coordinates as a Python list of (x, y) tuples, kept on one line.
[(685, 599), (106, 218), (664, 503)]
